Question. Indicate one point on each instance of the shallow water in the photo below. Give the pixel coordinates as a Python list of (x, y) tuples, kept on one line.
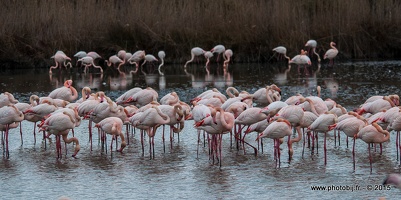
[(35, 173)]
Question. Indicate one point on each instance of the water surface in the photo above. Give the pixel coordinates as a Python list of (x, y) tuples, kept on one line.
[(35, 173)]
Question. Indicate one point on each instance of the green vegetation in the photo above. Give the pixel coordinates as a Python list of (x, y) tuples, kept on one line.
[(32, 31)]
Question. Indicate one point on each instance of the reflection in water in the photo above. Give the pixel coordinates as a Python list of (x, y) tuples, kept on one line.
[(214, 77)]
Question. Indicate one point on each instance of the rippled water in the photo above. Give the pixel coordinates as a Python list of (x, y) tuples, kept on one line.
[(35, 173)]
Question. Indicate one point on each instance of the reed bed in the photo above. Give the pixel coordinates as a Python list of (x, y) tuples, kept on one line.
[(32, 31)]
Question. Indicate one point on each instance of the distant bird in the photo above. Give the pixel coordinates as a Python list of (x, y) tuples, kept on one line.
[(208, 55), (282, 51), (149, 58), (228, 54), (60, 58), (312, 44), (196, 51), (161, 55), (301, 59), (219, 49), (115, 61), (87, 61), (331, 53), (135, 59)]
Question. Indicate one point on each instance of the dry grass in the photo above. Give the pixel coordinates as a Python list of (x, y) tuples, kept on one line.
[(34, 30)]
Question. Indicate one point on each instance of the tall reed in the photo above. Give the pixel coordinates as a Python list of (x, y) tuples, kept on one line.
[(34, 30)]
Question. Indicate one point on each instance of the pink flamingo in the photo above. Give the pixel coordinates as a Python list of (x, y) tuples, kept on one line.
[(60, 124), (301, 59), (323, 124), (373, 134), (376, 106), (89, 61), (9, 115), (282, 51), (219, 49), (121, 99), (115, 61), (276, 130), (267, 94), (170, 99), (312, 44), (331, 53), (86, 94), (135, 59), (176, 116), (60, 59), (196, 51), (220, 123), (228, 54), (113, 126), (67, 92), (6, 99), (393, 179), (351, 126), (143, 97), (207, 55), (153, 117), (394, 98)]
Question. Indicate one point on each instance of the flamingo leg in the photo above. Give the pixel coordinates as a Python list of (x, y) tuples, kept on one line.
[(353, 152), (20, 131), (325, 149), (370, 158)]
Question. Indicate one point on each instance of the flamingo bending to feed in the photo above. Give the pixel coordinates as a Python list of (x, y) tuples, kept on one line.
[(161, 55), (88, 61), (373, 134), (9, 115), (282, 51), (196, 51), (60, 58), (219, 49), (113, 126)]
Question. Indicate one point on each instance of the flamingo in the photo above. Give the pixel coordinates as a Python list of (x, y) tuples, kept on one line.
[(351, 126), (228, 54), (373, 133), (66, 93), (161, 55), (153, 117), (208, 55), (60, 124), (176, 116), (121, 99), (136, 58), (393, 179), (89, 61), (324, 124), (9, 115), (282, 51), (60, 58), (113, 126), (219, 49), (143, 97), (301, 59), (312, 44), (276, 130), (170, 99), (331, 53), (196, 51), (86, 94), (115, 60), (6, 99)]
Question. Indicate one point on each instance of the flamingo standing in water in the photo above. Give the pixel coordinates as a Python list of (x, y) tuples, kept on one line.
[(282, 51), (312, 44), (277, 130), (331, 53), (9, 115), (6, 99), (219, 49), (115, 61), (60, 124), (373, 134), (135, 59), (196, 51), (228, 54), (60, 58), (88, 61), (161, 55), (301, 59), (113, 126)]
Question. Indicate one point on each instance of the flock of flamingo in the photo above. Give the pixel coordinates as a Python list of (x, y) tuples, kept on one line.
[(212, 112)]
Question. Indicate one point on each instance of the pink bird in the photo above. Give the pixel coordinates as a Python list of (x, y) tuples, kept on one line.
[(153, 117), (86, 94), (376, 106), (323, 124), (121, 99), (351, 126), (228, 54), (277, 130), (88, 61), (142, 97), (135, 59), (219, 49), (109, 109), (115, 61), (6, 99), (393, 97), (67, 92), (113, 126), (222, 123), (170, 99), (61, 60), (301, 59), (395, 125), (373, 134), (393, 179), (9, 115), (331, 53), (59, 124), (267, 95), (176, 116), (208, 55), (161, 55), (282, 51), (312, 44), (196, 51)]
